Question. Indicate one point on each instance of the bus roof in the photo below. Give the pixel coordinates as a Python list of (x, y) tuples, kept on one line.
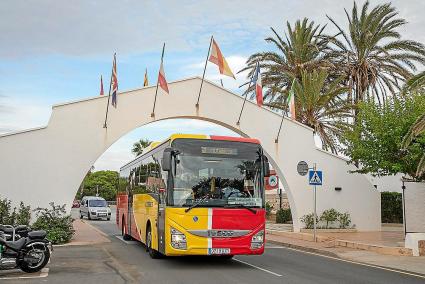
[(203, 136)]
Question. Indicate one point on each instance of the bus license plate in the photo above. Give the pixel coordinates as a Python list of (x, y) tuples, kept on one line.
[(219, 251)]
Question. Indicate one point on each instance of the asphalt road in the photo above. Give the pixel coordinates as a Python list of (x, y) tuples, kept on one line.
[(128, 262)]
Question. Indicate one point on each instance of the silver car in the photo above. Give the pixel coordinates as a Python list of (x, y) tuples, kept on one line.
[(94, 207)]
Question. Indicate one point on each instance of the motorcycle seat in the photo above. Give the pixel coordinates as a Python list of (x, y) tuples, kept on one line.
[(37, 234), (16, 245)]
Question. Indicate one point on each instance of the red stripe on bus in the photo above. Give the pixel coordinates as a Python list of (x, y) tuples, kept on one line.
[(238, 219)]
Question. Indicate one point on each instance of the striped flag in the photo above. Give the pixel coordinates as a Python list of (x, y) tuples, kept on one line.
[(291, 100), (101, 86), (114, 82), (256, 80), (146, 81), (218, 59), (161, 79)]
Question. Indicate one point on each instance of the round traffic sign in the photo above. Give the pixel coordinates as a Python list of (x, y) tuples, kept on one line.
[(273, 181), (302, 168)]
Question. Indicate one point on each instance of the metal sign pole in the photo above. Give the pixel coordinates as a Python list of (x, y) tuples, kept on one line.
[(315, 212)]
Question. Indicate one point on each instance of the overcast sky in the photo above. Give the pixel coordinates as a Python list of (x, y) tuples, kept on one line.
[(54, 51)]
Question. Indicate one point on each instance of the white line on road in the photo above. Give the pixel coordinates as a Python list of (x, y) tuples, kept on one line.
[(42, 274), (260, 268), (360, 263), (127, 242)]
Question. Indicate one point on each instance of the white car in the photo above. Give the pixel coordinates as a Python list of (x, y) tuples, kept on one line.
[(94, 207)]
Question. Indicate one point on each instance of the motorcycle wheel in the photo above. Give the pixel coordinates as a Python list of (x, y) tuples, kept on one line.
[(31, 268)]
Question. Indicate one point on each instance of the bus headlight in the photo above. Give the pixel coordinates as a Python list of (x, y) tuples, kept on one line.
[(178, 239), (257, 240)]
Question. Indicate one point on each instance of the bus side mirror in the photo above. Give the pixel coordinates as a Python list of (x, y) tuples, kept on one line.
[(166, 159), (266, 167)]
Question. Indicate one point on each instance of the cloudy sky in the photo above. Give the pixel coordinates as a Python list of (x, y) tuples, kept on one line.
[(54, 51)]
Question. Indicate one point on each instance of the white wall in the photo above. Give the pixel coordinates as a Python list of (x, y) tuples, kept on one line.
[(49, 164), (391, 183)]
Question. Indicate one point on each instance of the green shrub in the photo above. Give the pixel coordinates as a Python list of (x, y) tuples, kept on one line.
[(308, 220), (12, 216), (268, 209), (344, 220), (55, 221), (329, 216), (24, 215), (391, 207), (283, 215)]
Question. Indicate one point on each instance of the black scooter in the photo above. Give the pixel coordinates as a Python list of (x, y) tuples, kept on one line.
[(30, 253)]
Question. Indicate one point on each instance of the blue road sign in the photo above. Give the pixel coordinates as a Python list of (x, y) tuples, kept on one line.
[(315, 177)]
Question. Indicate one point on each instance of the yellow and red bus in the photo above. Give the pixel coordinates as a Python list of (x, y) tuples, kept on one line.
[(196, 195)]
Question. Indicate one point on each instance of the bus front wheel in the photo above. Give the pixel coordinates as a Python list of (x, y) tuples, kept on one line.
[(152, 253)]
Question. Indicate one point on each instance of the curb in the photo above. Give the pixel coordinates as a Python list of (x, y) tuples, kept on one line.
[(306, 249)]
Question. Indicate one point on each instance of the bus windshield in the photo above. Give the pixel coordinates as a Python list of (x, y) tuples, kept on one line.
[(217, 173)]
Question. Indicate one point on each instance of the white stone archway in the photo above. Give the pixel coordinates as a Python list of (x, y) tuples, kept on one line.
[(48, 164)]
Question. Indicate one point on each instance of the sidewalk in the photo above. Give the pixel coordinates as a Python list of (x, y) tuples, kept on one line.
[(390, 240), (86, 234), (326, 246)]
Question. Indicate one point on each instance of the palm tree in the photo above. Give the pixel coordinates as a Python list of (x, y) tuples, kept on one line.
[(322, 105), (302, 49), (139, 146), (417, 129), (372, 54), (416, 83)]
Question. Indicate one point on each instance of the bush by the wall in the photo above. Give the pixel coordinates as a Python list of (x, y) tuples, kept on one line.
[(391, 207), (329, 219), (283, 215), (308, 220), (55, 221), (329, 216), (344, 220), (268, 209), (14, 216)]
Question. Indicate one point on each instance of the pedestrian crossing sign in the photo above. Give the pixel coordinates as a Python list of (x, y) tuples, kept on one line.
[(315, 177)]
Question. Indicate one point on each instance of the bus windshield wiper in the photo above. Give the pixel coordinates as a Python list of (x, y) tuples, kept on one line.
[(195, 205), (240, 206)]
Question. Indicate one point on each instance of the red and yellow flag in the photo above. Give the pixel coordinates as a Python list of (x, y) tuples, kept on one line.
[(146, 81), (218, 59)]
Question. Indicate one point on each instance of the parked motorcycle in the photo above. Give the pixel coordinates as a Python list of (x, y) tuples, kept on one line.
[(29, 252), (14, 233)]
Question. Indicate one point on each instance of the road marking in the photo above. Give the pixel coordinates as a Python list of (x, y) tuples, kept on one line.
[(42, 274), (260, 268), (127, 242), (361, 263)]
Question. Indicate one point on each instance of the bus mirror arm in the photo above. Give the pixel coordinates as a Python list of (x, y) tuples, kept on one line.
[(266, 166)]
